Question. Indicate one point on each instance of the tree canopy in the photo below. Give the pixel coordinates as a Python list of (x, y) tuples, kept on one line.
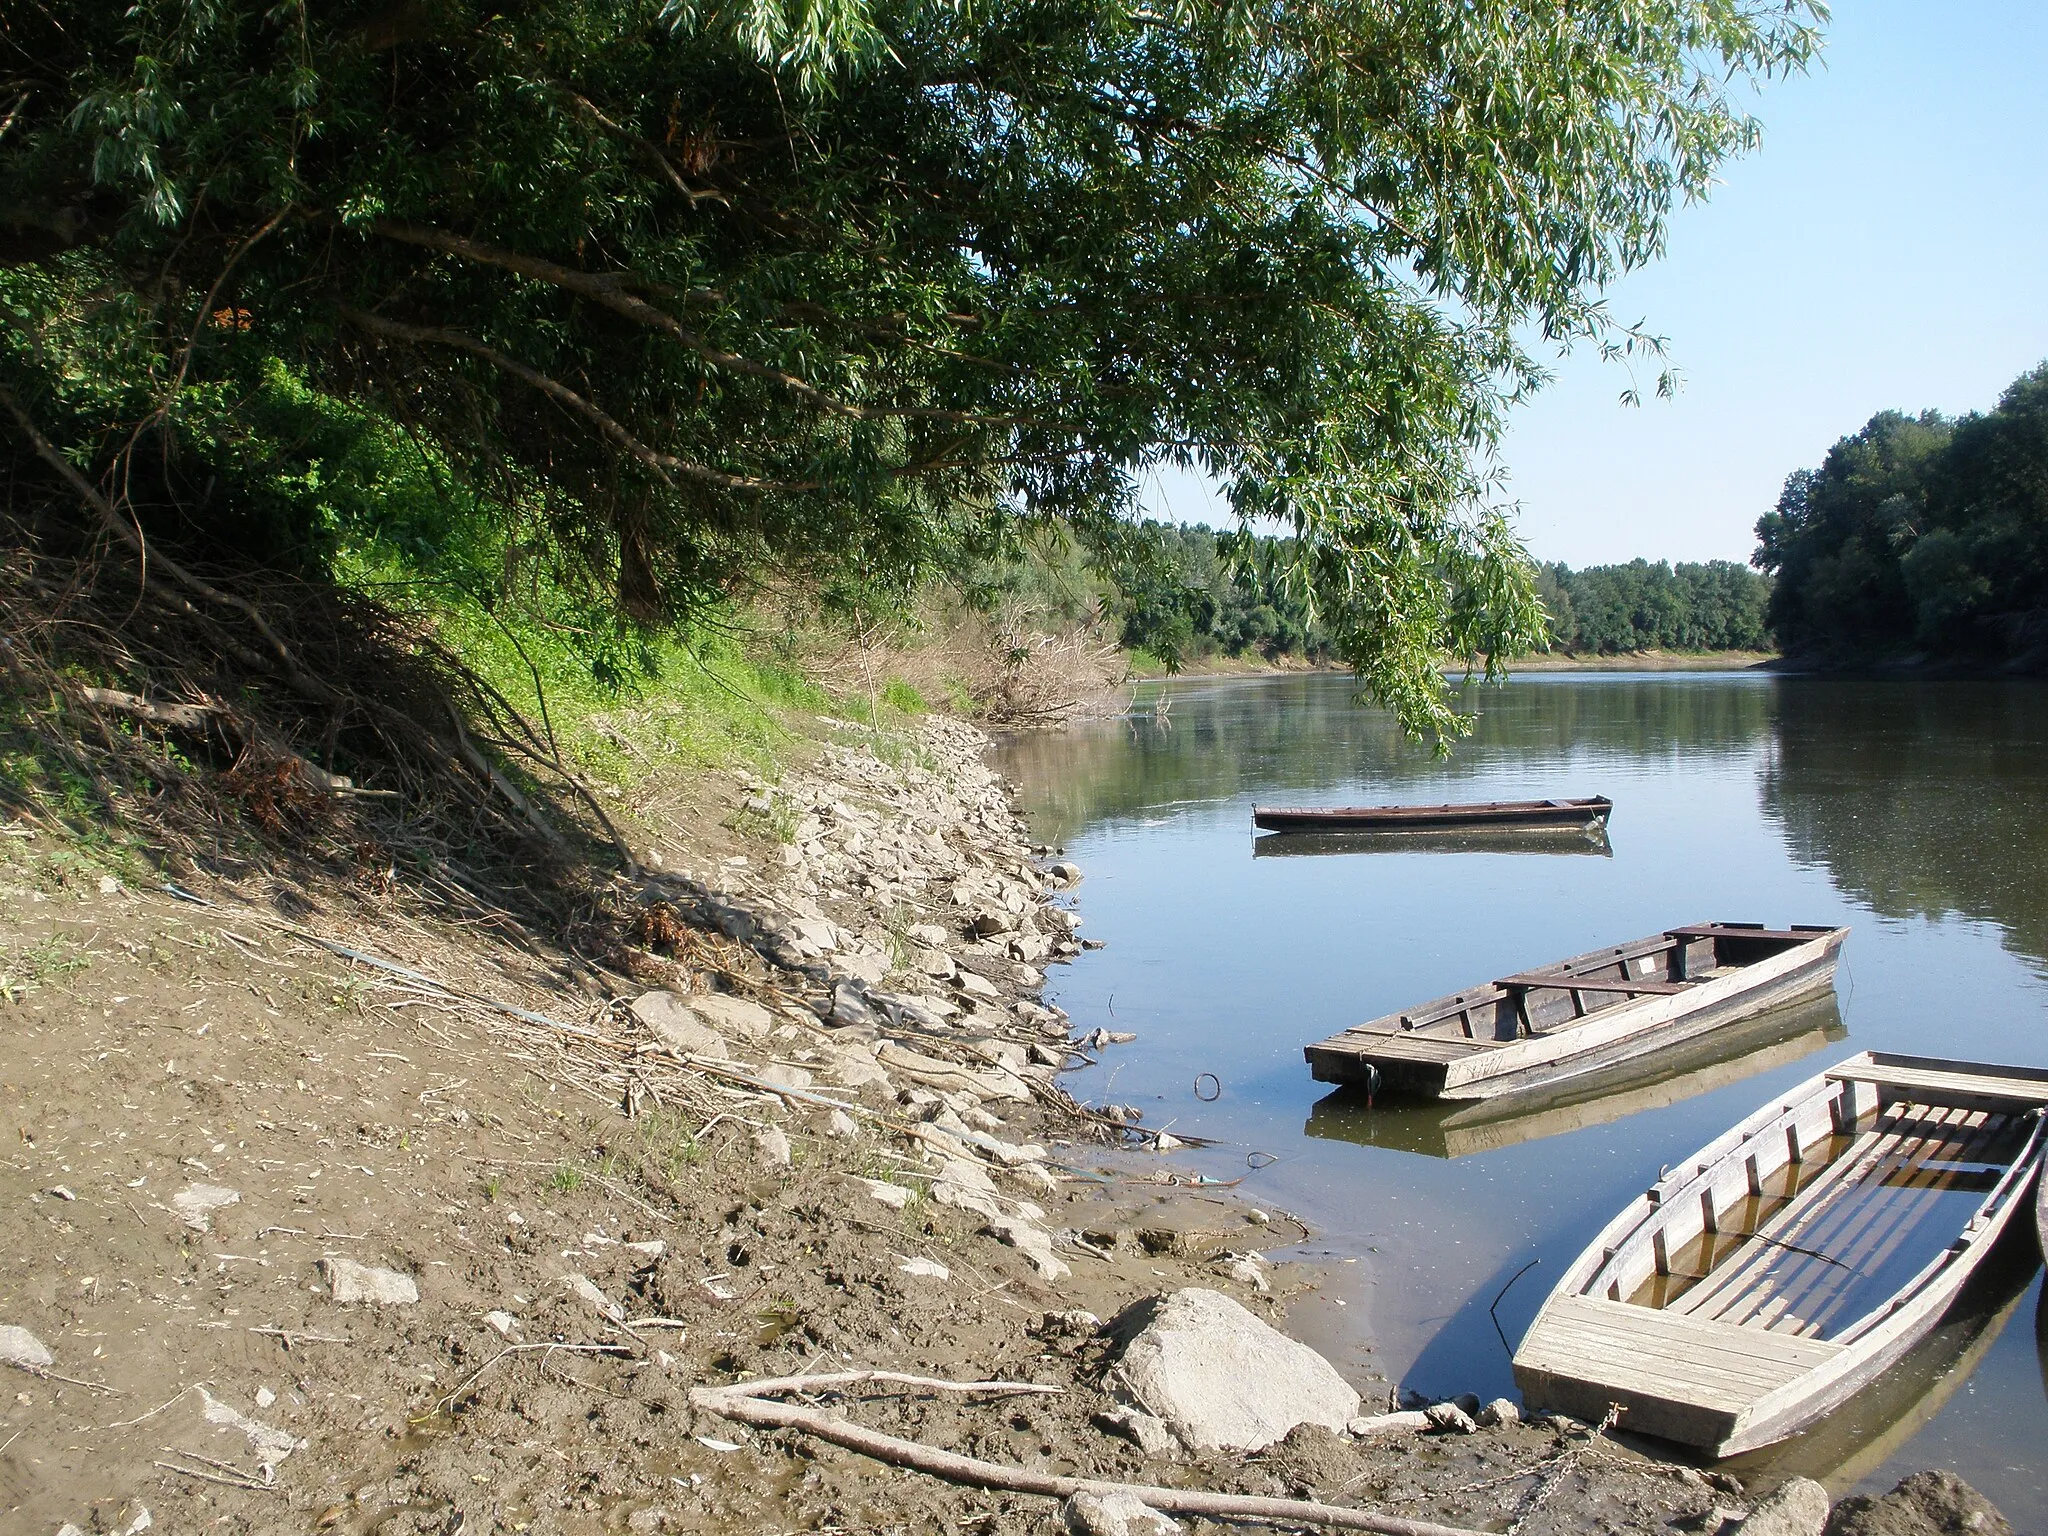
[(662, 295), (1608, 609), (1919, 534)]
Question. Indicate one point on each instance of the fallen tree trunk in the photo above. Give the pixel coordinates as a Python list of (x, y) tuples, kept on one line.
[(740, 1402)]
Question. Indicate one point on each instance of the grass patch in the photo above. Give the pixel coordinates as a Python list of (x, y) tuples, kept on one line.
[(48, 959)]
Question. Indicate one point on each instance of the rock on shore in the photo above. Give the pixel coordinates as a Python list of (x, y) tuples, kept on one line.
[(1222, 1379)]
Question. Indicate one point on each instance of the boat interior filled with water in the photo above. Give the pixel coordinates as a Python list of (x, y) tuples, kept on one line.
[(1764, 1281)]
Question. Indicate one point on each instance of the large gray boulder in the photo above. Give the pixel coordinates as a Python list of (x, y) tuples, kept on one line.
[(1223, 1380)]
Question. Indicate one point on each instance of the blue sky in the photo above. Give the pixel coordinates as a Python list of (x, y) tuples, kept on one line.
[(1887, 247)]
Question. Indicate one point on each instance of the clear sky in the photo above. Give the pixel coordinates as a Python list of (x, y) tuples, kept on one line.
[(1886, 248)]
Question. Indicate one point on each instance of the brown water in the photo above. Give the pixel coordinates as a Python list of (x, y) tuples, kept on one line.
[(1917, 813)]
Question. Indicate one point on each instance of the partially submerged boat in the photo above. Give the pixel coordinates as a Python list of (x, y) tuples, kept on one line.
[(1592, 811), (1761, 1283), (1536, 1029)]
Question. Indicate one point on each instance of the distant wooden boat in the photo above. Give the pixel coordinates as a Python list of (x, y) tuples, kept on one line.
[(1499, 814), (1764, 1281), (1538, 1028)]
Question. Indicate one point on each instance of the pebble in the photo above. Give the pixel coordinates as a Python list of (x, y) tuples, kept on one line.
[(1449, 1419), (352, 1283), (895, 1196), (196, 1203), (771, 1145), (23, 1350), (929, 1269), (1501, 1413), (585, 1290), (1114, 1514), (1147, 1433)]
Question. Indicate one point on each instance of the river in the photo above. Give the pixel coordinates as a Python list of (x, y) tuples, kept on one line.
[(1916, 813)]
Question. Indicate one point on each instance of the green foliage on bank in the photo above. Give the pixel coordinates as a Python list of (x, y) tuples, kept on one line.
[(671, 297), (1610, 610), (1921, 535), (1188, 594)]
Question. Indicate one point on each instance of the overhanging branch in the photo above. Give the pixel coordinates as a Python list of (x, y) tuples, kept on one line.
[(663, 464)]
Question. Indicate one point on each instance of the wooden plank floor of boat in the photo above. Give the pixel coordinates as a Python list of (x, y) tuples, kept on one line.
[(1675, 1358), (1369, 1045)]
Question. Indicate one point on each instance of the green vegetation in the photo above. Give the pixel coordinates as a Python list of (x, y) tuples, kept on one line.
[(1612, 609), (1919, 535), (612, 311), (1190, 594)]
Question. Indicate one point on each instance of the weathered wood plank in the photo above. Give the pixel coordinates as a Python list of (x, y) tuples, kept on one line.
[(1643, 986)]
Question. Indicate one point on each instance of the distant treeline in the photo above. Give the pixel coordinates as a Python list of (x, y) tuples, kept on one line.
[(1609, 609), (1919, 535), (1190, 593)]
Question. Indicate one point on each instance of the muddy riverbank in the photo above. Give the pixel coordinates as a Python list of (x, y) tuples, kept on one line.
[(323, 1213)]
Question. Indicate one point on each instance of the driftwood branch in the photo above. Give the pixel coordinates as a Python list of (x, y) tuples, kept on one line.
[(742, 1404)]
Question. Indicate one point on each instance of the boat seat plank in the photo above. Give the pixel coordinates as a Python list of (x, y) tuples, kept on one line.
[(1660, 1354), (1591, 984), (2019, 1090), (1721, 931)]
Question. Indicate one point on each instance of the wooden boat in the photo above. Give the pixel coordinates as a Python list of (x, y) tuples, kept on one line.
[(1855, 1441), (1501, 814), (2041, 1223), (1538, 1028), (1761, 1283), (1517, 840), (1715, 1060)]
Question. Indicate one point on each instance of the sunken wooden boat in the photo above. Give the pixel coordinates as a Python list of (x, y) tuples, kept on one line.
[(1763, 1282), (1536, 1029), (1500, 815)]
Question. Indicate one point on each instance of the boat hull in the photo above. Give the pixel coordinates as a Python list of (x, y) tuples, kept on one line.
[(1480, 1060), (1680, 1369), (1498, 815)]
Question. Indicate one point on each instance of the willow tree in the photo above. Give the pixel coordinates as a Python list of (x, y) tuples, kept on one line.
[(856, 288)]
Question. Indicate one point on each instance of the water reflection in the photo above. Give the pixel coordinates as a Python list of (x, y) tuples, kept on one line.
[(1741, 798), (1292, 845), (1218, 740), (1715, 1060), (1916, 799)]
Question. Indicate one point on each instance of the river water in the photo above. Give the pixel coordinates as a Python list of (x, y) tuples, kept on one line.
[(1916, 813)]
